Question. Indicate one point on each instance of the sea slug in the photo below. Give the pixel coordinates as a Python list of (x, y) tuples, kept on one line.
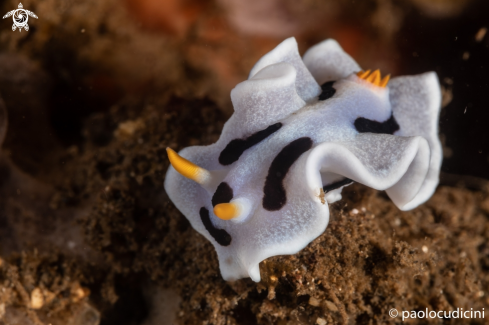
[(302, 129)]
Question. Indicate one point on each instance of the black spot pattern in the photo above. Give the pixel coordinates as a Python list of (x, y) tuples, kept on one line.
[(275, 196), (387, 127), (236, 147), (221, 236), (223, 194), (327, 90), (338, 184)]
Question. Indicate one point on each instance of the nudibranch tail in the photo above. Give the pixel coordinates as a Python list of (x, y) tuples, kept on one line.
[(375, 78), (227, 211), (187, 168)]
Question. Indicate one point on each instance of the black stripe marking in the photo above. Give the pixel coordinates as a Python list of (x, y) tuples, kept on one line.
[(327, 90), (338, 184), (236, 147), (221, 236), (275, 196), (223, 194), (387, 127)]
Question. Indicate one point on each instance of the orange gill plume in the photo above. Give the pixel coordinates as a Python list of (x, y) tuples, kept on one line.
[(374, 78)]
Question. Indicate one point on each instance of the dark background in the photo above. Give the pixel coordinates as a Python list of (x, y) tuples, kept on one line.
[(84, 57)]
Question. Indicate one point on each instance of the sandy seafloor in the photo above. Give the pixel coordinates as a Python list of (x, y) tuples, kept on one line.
[(96, 90)]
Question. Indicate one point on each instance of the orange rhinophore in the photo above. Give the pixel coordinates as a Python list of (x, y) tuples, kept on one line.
[(227, 211), (187, 168)]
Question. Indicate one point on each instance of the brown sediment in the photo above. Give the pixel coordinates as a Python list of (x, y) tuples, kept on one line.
[(371, 258), (45, 290)]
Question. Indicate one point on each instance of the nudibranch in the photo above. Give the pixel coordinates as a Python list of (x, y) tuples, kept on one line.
[(302, 129)]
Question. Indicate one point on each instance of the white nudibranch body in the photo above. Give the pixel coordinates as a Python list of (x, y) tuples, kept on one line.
[(303, 128)]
